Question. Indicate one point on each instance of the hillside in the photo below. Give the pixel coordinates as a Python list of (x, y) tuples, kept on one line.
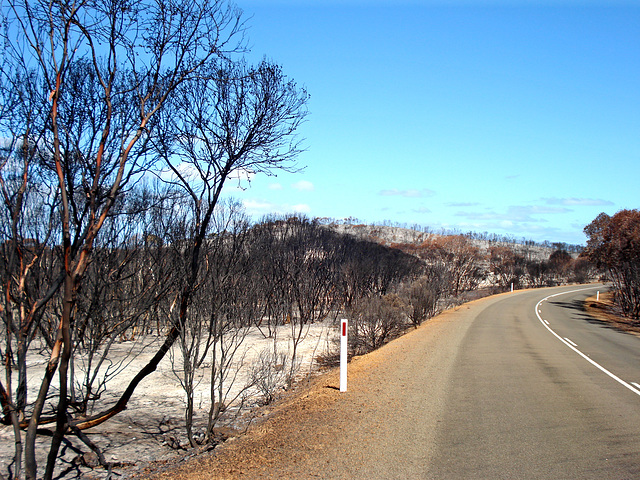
[(390, 235)]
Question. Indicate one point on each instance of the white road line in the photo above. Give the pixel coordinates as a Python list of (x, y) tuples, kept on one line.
[(545, 322), (595, 364), (574, 344), (637, 385)]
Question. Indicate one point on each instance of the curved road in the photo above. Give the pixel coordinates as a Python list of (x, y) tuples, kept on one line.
[(521, 385), (525, 402)]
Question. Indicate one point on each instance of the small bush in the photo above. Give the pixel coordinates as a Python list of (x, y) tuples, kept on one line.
[(374, 321), (270, 373)]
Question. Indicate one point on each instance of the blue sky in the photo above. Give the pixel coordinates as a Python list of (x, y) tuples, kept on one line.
[(519, 118)]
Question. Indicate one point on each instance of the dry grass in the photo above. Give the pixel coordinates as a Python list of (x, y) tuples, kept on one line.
[(607, 312)]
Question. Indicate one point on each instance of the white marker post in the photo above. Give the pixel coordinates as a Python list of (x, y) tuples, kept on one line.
[(598, 296), (343, 354), (512, 288)]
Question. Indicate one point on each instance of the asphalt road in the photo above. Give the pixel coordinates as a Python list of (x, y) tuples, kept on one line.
[(507, 387), (524, 401)]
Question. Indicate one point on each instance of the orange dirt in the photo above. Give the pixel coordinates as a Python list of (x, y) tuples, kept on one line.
[(606, 312)]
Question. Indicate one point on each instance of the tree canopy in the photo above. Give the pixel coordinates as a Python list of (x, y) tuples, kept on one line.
[(614, 245)]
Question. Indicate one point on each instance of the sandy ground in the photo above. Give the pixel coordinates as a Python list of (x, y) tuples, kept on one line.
[(153, 425)]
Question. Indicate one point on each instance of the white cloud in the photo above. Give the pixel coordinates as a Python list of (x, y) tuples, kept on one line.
[(301, 208), (190, 172), (304, 185), (462, 204), (515, 213), (421, 210), (186, 170), (578, 202), (242, 175), (275, 186), (239, 180), (410, 193), (257, 208)]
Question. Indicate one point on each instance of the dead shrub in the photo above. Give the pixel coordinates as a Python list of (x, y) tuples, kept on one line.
[(374, 321)]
